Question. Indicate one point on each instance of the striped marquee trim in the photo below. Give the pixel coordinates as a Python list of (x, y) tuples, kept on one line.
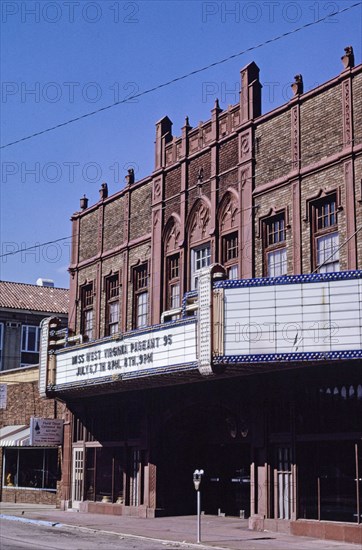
[(282, 357), (290, 279)]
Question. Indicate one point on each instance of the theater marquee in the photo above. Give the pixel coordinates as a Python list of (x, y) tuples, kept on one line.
[(171, 345)]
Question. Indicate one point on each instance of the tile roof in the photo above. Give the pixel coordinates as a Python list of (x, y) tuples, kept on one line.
[(33, 297)]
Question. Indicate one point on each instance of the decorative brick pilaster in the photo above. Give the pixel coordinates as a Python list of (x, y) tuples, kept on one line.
[(347, 113), (296, 223), (246, 255), (156, 263), (73, 288), (295, 137), (350, 215)]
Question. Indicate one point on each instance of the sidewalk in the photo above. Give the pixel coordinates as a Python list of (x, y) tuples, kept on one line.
[(220, 532)]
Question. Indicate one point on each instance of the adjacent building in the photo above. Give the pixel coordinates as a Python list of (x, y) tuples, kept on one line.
[(30, 472), (219, 305), (22, 308)]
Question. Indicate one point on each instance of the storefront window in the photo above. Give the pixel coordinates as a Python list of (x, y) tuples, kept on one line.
[(328, 481), (31, 468), (104, 471)]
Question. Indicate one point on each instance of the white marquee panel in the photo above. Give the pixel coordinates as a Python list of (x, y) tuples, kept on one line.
[(305, 317)]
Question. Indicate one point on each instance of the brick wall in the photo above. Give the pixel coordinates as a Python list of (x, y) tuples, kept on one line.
[(273, 148), (172, 182), (140, 211), (172, 205), (230, 179), (88, 242), (203, 161), (357, 108), (321, 126), (28, 496), (114, 223), (228, 154), (23, 401)]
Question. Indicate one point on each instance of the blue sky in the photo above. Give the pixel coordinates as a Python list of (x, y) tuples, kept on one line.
[(62, 59)]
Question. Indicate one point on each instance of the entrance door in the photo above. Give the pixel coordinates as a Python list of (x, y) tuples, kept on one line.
[(200, 438), (77, 477)]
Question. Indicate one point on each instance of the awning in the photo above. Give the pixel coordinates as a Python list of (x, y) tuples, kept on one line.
[(15, 436)]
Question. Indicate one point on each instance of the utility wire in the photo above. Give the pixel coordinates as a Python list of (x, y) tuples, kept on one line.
[(183, 77)]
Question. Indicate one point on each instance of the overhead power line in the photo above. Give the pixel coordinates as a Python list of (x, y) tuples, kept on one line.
[(183, 77)]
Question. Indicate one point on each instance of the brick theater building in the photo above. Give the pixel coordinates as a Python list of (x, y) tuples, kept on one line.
[(218, 301)]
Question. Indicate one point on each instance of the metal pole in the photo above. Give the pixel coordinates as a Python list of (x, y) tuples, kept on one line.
[(198, 516)]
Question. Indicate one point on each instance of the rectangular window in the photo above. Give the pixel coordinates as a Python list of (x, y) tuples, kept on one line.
[(140, 296), (230, 247), (30, 339), (87, 311), (275, 251), (230, 253), (31, 468), (325, 235), (173, 281), (112, 305), (200, 258), (328, 253)]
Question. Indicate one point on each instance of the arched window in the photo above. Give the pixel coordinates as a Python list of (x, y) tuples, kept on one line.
[(228, 216), (172, 294), (198, 228)]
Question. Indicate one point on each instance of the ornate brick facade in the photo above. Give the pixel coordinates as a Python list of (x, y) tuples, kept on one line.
[(280, 160), (264, 195)]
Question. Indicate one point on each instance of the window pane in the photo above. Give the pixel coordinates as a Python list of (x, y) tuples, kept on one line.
[(88, 323), (175, 295), (142, 303), (113, 317), (31, 338), (113, 312), (328, 253), (277, 263), (233, 272)]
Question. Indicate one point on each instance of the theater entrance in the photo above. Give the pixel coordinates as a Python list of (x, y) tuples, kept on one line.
[(205, 438)]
